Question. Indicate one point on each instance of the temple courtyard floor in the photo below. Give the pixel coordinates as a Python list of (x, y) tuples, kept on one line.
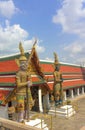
[(75, 122)]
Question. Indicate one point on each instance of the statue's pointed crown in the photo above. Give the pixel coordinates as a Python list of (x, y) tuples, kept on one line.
[(56, 59), (22, 57)]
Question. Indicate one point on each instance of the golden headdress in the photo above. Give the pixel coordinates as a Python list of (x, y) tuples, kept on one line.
[(22, 57), (56, 62), (55, 59)]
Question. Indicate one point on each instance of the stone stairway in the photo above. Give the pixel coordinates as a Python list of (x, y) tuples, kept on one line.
[(65, 111), (38, 123)]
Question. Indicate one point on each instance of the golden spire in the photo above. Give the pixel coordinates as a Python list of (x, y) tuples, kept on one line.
[(35, 42), (22, 57)]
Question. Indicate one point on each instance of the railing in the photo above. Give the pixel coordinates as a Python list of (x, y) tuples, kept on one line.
[(46, 121), (75, 106), (12, 125)]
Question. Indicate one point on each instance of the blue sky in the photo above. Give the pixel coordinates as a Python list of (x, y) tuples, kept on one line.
[(58, 26)]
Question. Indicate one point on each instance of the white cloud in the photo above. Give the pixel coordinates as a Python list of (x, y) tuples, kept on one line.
[(10, 36), (81, 61), (39, 48), (49, 59), (7, 8), (75, 48), (71, 16), (74, 52)]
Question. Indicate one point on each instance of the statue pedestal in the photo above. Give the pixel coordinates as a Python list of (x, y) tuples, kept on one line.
[(37, 123), (65, 111)]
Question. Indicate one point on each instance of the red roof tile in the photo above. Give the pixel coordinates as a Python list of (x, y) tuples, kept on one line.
[(8, 66)]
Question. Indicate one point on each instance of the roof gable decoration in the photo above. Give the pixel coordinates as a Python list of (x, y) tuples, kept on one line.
[(32, 59), (34, 63)]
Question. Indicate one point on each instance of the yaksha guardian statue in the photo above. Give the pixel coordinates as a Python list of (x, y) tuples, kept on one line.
[(57, 88), (23, 82)]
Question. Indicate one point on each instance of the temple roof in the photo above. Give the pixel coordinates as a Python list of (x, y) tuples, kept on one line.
[(41, 72)]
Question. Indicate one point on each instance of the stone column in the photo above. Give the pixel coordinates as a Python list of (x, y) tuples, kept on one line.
[(40, 99), (82, 89), (78, 92), (72, 95), (46, 103), (65, 97)]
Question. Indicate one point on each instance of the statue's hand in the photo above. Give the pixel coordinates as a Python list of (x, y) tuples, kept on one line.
[(29, 83)]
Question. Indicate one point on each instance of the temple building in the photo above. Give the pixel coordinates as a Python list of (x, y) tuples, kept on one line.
[(42, 79)]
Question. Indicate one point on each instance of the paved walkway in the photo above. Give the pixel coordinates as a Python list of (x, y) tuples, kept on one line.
[(83, 128), (76, 122)]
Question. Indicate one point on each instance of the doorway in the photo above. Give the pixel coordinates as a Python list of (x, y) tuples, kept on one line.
[(34, 91)]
